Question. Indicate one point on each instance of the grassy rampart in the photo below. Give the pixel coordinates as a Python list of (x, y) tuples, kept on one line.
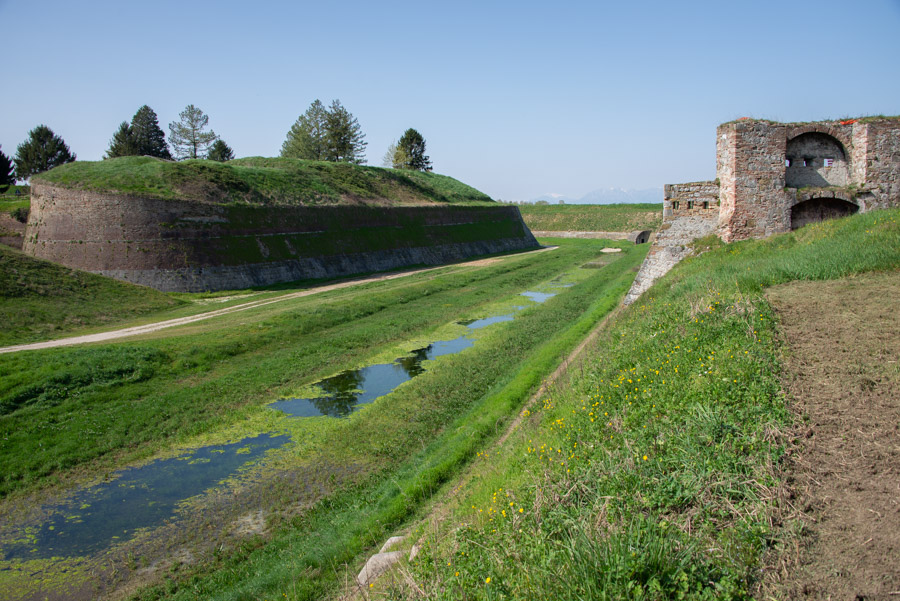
[(261, 181), (592, 218)]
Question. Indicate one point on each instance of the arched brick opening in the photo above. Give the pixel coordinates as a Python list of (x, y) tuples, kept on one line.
[(815, 159), (640, 236), (820, 209)]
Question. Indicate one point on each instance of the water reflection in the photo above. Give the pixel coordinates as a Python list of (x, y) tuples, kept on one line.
[(342, 394), (347, 391)]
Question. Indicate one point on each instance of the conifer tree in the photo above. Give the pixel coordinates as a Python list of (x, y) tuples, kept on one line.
[(6, 172), (412, 146), (345, 140), (187, 136), (147, 136), (220, 151), (307, 136), (122, 143), (42, 150)]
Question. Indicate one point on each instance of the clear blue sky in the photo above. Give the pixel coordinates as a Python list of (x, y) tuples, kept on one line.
[(515, 98)]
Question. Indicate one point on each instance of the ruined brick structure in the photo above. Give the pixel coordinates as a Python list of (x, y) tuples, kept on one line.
[(775, 177)]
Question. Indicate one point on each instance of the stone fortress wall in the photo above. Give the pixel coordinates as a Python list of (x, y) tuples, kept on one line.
[(188, 246), (776, 177)]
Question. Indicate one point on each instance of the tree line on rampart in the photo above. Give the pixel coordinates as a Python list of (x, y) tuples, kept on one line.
[(321, 133)]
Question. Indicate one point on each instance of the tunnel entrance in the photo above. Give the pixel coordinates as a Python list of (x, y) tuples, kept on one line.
[(820, 209)]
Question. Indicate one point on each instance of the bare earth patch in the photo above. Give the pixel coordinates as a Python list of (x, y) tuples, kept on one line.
[(843, 377)]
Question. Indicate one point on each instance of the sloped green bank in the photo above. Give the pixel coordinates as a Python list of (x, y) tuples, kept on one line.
[(593, 218), (654, 473), (258, 180), (39, 299)]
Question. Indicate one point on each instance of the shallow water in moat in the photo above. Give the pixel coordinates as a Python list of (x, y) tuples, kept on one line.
[(139, 497), (349, 390), (94, 518), (346, 392)]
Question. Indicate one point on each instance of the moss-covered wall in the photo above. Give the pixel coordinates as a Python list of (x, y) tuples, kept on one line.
[(177, 245)]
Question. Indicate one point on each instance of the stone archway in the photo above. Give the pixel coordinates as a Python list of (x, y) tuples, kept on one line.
[(820, 209), (815, 159)]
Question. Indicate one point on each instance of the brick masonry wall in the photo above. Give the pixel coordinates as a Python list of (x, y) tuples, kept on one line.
[(754, 200), (882, 163), (672, 244), (191, 246), (687, 200), (753, 187)]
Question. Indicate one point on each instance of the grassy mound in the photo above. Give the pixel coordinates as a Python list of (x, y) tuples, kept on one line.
[(593, 218), (40, 300), (655, 472), (261, 181)]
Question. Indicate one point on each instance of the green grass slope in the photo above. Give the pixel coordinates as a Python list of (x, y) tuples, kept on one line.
[(654, 472), (40, 300), (264, 181), (592, 218), (12, 203)]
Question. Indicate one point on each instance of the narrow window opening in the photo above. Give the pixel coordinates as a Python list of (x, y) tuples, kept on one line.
[(787, 162), (690, 205), (705, 204), (675, 204)]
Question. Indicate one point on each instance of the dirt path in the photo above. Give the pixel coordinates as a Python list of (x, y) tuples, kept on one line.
[(169, 323), (843, 378)]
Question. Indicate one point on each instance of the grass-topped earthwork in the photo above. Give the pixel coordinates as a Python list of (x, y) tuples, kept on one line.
[(655, 471), (72, 415), (592, 218), (261, 181)]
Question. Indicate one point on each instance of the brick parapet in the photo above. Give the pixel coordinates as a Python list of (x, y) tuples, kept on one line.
[(189, 246), (698, 199)]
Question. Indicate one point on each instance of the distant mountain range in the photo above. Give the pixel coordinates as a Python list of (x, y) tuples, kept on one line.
[(606, 196)]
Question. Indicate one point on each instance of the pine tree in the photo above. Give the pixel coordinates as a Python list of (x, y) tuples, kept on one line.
[(187, 136), (220, 151), (122, 143), (307, 136), (147, 136), (412, 145), (42, 150), (345, 140), (6, 173)]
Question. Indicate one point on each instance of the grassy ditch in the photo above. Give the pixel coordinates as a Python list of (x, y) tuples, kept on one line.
[(654, 472), (136, 397), (419, 440), (261, 181), (39, 299), (592, 218)]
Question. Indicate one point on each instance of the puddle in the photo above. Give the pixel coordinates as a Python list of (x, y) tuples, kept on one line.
[(477, 324), (140, 497), (349, 390), (345, 392), (539, 297)]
